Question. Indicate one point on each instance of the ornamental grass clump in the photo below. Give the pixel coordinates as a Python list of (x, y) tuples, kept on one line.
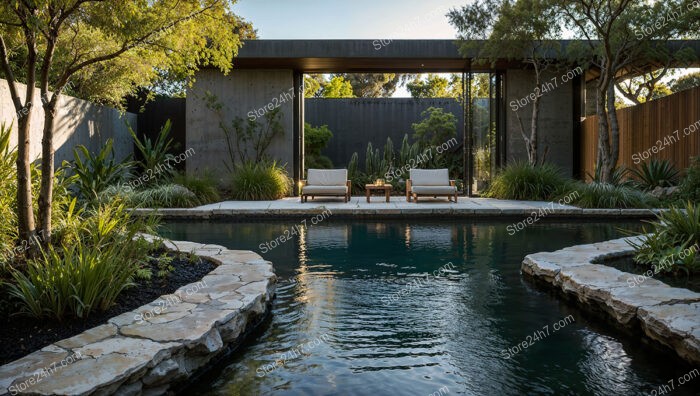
[(610, 196), (94, 256), (523, 181), (260, 181)]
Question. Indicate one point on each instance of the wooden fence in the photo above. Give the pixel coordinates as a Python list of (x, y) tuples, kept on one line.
[(667, 128)]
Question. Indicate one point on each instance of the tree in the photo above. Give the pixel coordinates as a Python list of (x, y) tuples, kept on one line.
[(436, 128), (435, 86), (111, 47), (337, 87), (522, 30), (375, 85), (686, 82), (313, 85), (620, 34), (315, 140), (644, 88)]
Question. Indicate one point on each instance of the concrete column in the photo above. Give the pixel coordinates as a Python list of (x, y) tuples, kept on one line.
[(556, 118), (244, 94)]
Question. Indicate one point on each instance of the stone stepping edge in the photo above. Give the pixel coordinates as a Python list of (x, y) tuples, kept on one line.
[(665, 314), (156, 347)]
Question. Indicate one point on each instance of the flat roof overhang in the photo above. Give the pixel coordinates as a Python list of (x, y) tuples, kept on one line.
[(363, 56)]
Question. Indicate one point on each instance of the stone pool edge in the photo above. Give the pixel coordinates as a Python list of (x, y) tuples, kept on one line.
[(668, 315), (391, 213), (161, 344)]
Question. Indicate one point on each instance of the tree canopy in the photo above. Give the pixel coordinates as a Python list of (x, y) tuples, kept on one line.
[(103, 50), (338, 87), (435, 86), (685, 82), (375, 85)]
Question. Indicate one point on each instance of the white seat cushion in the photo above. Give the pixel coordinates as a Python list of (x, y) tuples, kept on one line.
[(324, 190), (327, 177), (427, 190), (430, 177)]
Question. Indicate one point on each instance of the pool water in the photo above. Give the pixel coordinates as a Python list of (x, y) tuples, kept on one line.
[(422, 308)]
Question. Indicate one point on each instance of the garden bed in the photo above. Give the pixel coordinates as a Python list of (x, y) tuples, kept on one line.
[(157, 348), (21, 335)]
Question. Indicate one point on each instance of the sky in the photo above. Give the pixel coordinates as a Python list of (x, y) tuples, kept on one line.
[(352, 19), (349, 19)]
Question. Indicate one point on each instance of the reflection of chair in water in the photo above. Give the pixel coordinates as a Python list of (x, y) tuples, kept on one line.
[(430, 237), (331, 236)]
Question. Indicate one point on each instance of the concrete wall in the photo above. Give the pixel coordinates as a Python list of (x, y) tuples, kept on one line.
[(556, 123), (356, 122), (242, 93), (77, 122)]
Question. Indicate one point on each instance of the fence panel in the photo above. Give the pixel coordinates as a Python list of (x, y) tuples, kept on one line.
[(667, 128)]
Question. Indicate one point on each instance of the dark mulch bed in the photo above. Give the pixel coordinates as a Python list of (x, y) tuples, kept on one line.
[(20, 336)]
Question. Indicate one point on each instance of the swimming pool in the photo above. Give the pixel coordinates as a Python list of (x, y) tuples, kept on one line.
[(421, 308)]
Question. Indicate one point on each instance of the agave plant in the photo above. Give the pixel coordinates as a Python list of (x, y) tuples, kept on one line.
[(93, 173), (155, 153), (619, 177), (656, 173)]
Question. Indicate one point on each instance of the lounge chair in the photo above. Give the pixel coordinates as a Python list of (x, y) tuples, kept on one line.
[(326, 182), (430, 182)]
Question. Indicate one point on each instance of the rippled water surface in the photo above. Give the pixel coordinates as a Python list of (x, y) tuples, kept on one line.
[(360, 312)]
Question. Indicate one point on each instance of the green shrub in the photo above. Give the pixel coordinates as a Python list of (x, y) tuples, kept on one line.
[(204, 187), (165, 196), (689, 189), (609, 196), (260, 181), (674, 241), (315, 140), (94, 258), (168, 195), (8, 194), (619, 177), (435, 128), (523, 181), (93, 173), (656, 173), (155, 154)]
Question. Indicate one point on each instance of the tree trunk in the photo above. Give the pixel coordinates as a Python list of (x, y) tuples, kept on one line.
[(532, 149), (25, 209), (47, 153), (25, 212), (603, 162), (47, 172), (614, 130)]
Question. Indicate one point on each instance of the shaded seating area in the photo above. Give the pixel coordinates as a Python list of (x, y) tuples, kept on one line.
[(430, 182), (326, 183)]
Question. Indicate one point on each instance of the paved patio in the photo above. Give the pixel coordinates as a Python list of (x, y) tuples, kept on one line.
[(397, 207)]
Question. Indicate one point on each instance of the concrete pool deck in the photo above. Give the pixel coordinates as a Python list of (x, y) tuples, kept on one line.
[(397, 207)]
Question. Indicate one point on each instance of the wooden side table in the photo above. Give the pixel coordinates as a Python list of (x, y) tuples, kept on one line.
[(373, 187)]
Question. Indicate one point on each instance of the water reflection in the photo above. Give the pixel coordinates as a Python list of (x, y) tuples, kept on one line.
[(449, 330)]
